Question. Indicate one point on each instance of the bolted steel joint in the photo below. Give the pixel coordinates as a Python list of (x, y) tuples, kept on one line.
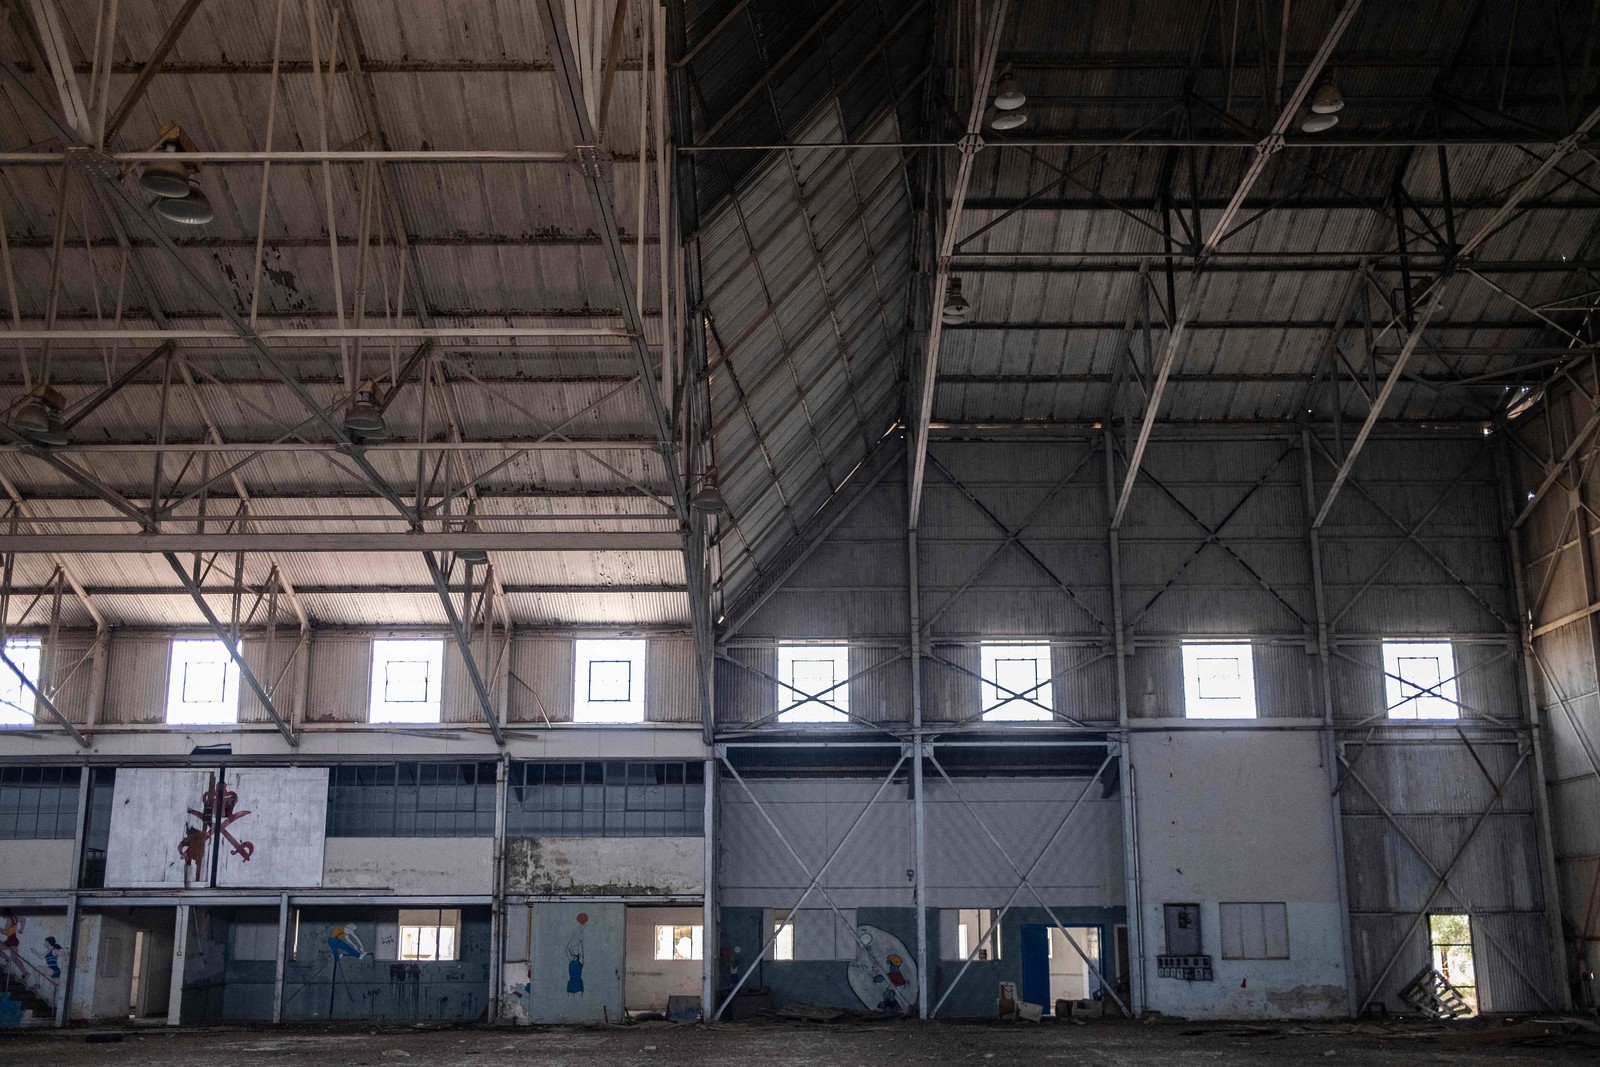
[(590, 160)]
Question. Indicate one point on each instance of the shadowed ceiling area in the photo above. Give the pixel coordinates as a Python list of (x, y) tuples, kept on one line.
[(577, 265)]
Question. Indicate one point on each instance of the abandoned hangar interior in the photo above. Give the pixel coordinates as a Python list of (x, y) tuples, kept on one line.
[(526, 510)]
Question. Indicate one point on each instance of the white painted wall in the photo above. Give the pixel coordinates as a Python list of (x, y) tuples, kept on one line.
[(149, 815), (35, 864), (606, 866), (288, 809), (410, 865), (648, 982), (1240, 816)]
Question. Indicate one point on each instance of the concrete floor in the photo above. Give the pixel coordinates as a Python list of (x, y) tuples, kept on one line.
[(849, 1045)]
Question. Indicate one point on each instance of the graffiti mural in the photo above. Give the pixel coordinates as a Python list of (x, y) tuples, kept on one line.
[(883, 974), (217, 811), (33, 959), (258, 826), (575, 957)]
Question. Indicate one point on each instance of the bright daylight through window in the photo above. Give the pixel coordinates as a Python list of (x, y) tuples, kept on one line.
[(609, 681), (814, 687), (1016, 682), (16, 699), (406, 677), (1219, 681), (202, 684), (1419, 679)]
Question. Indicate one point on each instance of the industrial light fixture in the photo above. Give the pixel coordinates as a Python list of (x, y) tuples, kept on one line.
[(708, 498), (1315, 122), (175, 181), (472, 555), (956, 307), (1008, 94), (1327, 99), (364, 416), (1007, 120), (38, 417)]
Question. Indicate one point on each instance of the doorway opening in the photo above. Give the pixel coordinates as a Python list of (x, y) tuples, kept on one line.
[(1450, 944), (1053, 970), (664, 952)]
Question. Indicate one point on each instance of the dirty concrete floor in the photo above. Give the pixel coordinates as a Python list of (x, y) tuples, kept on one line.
[(890, 1044)]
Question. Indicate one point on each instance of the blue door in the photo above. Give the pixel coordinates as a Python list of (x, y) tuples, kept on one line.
[(1036, 965)]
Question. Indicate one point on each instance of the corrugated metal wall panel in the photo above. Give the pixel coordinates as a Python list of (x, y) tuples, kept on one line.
[(950, 689), (1511, 955), (882, 693), (72, 677), (541, 679), (341, 674), (138, 666), (284, 697), (746, 695), (671, 686)]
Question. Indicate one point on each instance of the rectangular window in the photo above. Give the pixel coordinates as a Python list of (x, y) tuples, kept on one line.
[(428, 934), (1016, 682), (38, 803), (1219, 681), (1252, 931), (814, 683), (973, 928), (407, 677), (1419, 679), (255, 940), (17, 701), (608, 685), (411, 800), (679, 942), (202, 684), (783, 947), (606, 799)]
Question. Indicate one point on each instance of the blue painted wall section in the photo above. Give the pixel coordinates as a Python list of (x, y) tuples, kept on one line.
[(823, 982), (366, 988)]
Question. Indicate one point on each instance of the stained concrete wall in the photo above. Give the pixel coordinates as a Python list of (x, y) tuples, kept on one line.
[(1241, 816), (35, 864), (447, 866), (647, 982), (606, 866)]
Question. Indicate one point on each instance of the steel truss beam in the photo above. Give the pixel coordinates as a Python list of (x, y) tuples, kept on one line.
[(983, 76), (230, 641), (415, 541), (595, 166), (1435, 301), (1184, 311)]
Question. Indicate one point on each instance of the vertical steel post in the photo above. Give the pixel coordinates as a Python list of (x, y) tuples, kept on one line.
[(709, 941), (1530, 687), (282, 963), (919, 889), (79, 832), (1329, 743), (1130, 840), (180, 955), (497, 900)]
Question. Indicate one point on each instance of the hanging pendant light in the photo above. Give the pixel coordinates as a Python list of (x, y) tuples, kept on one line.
[(364, 416), (1327, 99), (1008, 94), (708, 498), (1007, 120), (956, 307), (1318, 122), (476, 556), (175, 181), (38, 417), (167, 177), (191, 209)]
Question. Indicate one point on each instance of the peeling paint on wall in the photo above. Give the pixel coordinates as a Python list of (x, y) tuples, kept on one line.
[(606, 866)]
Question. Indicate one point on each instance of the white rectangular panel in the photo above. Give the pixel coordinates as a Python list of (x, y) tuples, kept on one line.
[(278, 819)]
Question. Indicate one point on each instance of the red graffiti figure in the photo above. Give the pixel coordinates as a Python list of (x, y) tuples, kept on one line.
[(218, 811)]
